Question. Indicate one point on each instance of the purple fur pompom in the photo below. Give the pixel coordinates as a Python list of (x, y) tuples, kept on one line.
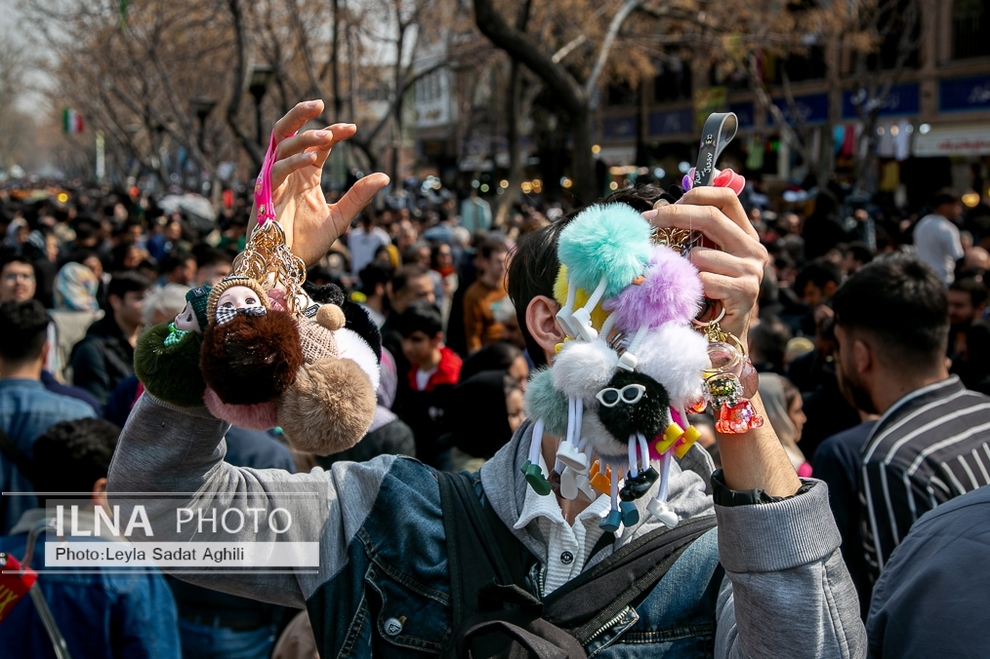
[(670, 291)]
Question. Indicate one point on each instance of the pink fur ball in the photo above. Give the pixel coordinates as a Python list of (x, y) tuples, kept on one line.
[(670, 291), (253, 417)]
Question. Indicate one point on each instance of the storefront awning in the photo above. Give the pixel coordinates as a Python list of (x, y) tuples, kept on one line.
[(618, 155), (968, 140)]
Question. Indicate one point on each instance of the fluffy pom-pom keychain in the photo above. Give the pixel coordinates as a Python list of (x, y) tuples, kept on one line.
[(270, 355), (604, 248), (628, 379), (170, 373), (166, 357), (332, 401), (603, 400)]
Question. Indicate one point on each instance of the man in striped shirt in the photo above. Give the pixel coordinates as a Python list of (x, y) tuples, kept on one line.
[(931, 442)]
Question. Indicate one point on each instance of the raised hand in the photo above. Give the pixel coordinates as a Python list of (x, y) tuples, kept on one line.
[(311, 224), (732, 273)]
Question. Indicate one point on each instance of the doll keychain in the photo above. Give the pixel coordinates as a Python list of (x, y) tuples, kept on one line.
[(266, 257)]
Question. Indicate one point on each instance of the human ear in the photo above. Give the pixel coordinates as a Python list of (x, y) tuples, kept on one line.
[(541, 322), (99, 492), (863, 357)]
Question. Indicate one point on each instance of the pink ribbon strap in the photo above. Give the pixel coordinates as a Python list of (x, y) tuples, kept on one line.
[(263, 184)]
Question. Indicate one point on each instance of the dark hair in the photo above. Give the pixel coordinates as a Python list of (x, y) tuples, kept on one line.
[(373, 274), (119, 253), (85, 228), (72, 455), (532, 272), (208, 257), (492, 245), (903, 303), (406, 274), (24, 328), (976, 289), (641, 197), (127, 282), (419, 317), (860, 252), (819, 272), (768, 342), (944, 197), (12, 257), (173, 260), (435, 252), (496, 356)]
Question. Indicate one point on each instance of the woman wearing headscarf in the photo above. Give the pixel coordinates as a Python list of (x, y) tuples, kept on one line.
[(783, 403), (76, 287), (76, 308)]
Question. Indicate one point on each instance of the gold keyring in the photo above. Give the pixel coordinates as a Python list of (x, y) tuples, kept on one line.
[(706, 323)]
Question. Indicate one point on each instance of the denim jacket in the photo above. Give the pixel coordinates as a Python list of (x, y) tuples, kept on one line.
[(125, 613), (27, 410), (382, 587)]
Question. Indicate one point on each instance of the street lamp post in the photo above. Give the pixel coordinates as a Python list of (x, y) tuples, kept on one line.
[(202, 106), (261, 77)]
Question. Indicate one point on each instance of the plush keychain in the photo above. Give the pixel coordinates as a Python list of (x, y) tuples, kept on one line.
[(604, 248), (251, 352), (271, 355), (166, 357), (633, 365)]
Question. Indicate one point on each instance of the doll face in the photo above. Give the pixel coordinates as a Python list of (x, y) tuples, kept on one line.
[(238, 297), (186, 320)]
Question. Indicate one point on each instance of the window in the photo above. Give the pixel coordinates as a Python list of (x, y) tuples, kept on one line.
[(970, 29), (899, 24), (673, 82)]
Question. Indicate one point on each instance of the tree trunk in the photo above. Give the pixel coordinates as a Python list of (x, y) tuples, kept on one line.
[(246, 141), (503, 202), (338, 102), (585, 188)]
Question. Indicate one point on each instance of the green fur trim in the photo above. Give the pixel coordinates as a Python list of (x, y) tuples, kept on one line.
[(170, 373), (545, 402)]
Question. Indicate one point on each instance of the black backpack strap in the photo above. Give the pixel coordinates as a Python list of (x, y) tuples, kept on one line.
[(620, 579), (476, 548), (485, 565), (531, 637), (16, 455)]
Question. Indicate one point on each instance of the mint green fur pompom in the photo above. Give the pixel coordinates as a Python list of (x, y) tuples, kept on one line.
[(610, 240), (545, 402)]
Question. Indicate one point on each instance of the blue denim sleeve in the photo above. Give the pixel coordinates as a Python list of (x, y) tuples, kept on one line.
[(148, 620)]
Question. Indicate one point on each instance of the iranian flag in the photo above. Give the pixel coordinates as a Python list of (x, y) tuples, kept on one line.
[(72, 121)]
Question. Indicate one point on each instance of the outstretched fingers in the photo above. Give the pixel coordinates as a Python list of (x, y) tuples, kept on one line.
[(296, 118), (355, 199), (298, 162)]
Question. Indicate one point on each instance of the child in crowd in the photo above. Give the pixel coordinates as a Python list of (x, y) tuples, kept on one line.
[(434, 370)]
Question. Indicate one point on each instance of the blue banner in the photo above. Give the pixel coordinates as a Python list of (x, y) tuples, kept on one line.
[(619, 128), (962, 94), (813, 109), (901, 100), (672, 122), (744, 113)]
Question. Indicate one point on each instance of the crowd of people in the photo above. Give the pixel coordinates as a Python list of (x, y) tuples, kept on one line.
[(871, 340)]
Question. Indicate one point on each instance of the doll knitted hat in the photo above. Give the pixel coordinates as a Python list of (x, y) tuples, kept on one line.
[(197, 299), (230, 282)]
